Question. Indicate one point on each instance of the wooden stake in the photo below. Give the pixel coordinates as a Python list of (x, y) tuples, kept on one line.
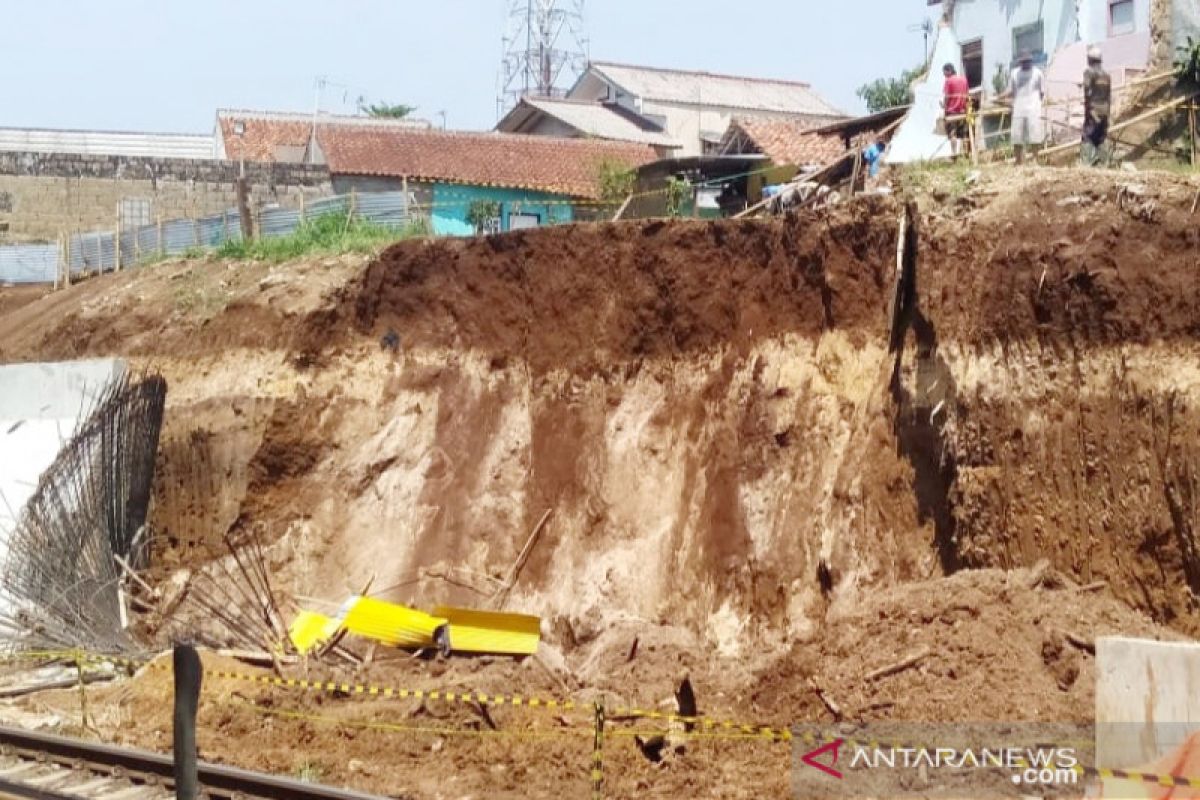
[(117, 241), (502, 595), (162, 246), (1192, 130), (243, 203), (621, 211), (899, 666)]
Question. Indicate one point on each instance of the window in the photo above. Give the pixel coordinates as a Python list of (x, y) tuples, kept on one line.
[(1120, 17), (1031, 38), (135, 212), (519, 221), (972, 58)]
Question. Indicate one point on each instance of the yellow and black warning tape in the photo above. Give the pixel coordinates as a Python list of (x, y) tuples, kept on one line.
[(699, 726)]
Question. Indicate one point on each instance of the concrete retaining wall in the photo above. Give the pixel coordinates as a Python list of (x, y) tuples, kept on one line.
[(45, 194)]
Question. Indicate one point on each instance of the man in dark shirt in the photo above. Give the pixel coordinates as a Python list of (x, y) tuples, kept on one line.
[(1097, 103)]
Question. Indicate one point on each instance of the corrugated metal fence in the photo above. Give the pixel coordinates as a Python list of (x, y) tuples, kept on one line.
[(98, 251)]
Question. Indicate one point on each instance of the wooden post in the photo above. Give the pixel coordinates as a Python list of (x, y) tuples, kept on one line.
[(1192, 130), (188, 672), (117, 241), (243, 201), (67, 261), (303, 210), (195, 231), (162, 246), (404, 188), (83, 713), (598, 752)]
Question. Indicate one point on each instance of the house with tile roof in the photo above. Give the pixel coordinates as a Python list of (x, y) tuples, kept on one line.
[(529, 180), (690, 109)]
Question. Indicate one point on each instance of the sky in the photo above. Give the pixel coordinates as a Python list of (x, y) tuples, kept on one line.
[(167, 65)]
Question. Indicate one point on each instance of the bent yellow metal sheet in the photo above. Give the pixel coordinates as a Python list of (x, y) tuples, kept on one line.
[(389, 623), (474, 631), (310, 629)]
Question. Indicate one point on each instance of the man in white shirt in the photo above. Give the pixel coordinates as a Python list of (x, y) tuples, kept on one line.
[(1027, 87)]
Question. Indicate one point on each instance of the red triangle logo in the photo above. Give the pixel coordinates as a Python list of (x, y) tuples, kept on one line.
[(811, 758)]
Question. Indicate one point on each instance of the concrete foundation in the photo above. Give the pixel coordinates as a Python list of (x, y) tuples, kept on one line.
[(1147, 699)]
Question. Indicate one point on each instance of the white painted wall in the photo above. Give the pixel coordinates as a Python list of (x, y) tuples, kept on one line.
[(1093, 19), (40, 409), (995, 20)]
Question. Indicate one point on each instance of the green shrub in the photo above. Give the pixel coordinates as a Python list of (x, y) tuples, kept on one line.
[(327, 234)]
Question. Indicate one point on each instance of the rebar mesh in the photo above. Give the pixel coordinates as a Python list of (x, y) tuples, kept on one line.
[(60, 581)]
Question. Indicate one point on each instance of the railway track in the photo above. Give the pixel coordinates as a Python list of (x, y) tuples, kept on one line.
[(39, 766)]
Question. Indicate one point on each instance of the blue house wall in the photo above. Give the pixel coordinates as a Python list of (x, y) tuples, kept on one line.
[(452, 201)]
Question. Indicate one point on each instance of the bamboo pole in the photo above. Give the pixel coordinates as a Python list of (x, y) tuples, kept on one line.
[(1151, 114), (1192, 131)]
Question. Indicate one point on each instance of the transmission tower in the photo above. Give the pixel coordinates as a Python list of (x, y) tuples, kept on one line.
[(544, 47)]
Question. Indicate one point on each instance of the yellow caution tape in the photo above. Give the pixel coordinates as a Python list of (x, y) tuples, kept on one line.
[(706, 727), (481, 698), (390, 727)]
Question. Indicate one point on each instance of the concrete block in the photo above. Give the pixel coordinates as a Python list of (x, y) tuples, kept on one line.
[(1147, 699)]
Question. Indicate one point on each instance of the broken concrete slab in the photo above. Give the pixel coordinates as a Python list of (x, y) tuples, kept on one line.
[(1147, 699)]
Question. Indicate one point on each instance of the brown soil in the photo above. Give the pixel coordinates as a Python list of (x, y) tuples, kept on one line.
[(742, 480)]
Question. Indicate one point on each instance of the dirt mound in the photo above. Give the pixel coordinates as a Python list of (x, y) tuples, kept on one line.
[(744, 484), (590, 298)]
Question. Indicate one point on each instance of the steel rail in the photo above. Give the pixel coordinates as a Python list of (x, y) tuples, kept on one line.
[(216, 781)]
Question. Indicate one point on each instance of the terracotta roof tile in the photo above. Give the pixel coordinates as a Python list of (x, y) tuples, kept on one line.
[(261, 139), (563, 166), (790, 141)]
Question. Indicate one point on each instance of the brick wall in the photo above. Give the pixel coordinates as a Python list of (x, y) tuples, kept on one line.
[(45, 194)]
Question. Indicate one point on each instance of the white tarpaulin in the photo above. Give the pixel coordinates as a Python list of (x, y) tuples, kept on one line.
[(915, 140)]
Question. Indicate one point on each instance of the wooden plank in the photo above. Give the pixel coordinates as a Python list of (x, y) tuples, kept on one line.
[(1151, 114)]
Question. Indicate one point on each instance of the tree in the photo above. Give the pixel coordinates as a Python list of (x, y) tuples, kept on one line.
[(385, 110), (616, 180), (884, 93)]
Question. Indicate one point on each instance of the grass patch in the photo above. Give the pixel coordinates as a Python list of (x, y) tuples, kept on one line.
[(926, 177), (195, 296), (308, 772), (329, 234)]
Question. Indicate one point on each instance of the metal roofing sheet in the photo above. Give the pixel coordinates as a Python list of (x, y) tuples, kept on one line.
[(29, 263), (597, 119), (108, 143), (709, 89)]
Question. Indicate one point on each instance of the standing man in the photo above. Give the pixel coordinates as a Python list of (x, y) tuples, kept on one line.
[(1027, 86), (955, 95), (1097, 100)]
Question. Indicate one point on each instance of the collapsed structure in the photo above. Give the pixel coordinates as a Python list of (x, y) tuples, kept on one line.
[(79, 443)]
